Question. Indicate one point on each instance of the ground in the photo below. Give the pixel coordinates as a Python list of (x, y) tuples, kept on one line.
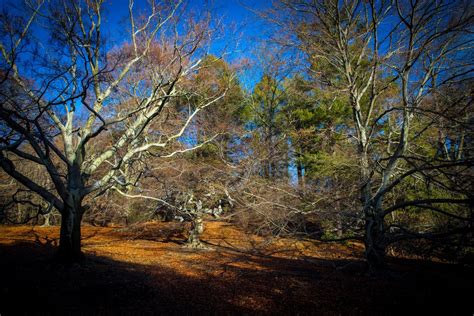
[(146, 270)]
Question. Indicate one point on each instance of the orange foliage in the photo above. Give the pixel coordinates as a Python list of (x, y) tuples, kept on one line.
[(146, 269)]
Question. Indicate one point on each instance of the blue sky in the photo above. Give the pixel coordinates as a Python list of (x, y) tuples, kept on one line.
[(243, 30), (236, 15), (238, 12)]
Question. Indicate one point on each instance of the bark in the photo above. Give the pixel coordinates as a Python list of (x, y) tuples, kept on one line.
[(340, 232), (46, 218), (19, 213), (375, 246), (70, 235), (197, 227), (299, 171)]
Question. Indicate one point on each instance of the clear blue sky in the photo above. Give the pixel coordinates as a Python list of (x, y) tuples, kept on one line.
[(237, 16), (243, 30)]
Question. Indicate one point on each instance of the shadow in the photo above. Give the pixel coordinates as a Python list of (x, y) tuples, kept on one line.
[(45, 241), (228, 282), (164, 232), (32, 282)]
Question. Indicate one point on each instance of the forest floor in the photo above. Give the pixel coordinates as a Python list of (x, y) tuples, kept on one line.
[(146, 270)]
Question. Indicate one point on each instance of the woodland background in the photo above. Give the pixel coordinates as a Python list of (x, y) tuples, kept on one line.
[(350, 120)]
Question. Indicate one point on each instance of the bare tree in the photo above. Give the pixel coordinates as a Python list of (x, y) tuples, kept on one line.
[(19, 205), (84, 109), (388, 58)]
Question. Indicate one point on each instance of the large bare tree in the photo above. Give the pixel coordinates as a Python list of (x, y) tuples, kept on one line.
[(88, 109), (392, 60)]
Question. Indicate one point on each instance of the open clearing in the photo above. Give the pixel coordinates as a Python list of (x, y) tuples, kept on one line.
[(144, 270)]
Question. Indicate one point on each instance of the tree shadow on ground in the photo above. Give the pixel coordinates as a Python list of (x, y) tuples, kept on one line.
[(239, 283)]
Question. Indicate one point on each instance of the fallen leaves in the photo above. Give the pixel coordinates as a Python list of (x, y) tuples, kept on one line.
[(143, 269)]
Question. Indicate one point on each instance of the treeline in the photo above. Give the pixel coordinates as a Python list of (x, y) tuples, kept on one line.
[(360, 125)]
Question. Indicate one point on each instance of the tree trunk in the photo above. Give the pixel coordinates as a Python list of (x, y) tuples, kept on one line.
[(374, 224), (46, 218), (70, 235), (197, 227), (299, 172), (375, 246), (339, 225)]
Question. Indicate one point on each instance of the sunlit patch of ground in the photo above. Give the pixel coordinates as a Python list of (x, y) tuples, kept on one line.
[(146, 269)]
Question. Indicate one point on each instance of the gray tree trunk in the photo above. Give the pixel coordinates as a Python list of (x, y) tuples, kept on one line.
[(47, 218), (197, 227), (375, 246), (70, 235)]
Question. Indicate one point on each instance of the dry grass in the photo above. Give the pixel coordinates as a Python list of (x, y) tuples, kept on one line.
[(145, 269)]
